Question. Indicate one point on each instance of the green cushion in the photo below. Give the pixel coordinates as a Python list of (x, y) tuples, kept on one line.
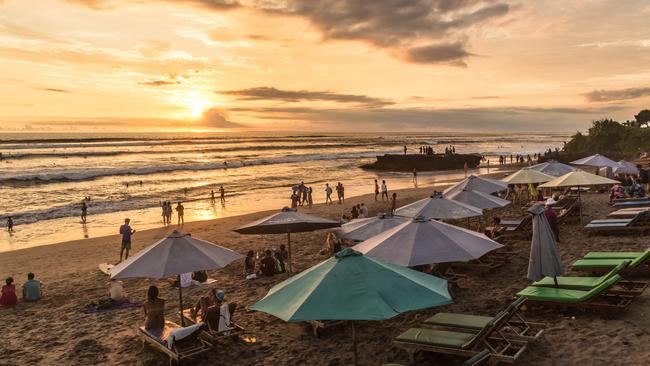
[(612, 255), (474, 322), (434, 337), (596, 263), (640, 259), (552, 294), (573, 283)]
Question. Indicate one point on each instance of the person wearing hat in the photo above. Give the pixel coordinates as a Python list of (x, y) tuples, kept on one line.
[(551, 216)]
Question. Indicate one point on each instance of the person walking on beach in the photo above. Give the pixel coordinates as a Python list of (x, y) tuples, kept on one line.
[(212, 200), (342, 192), (126, 232), (84, 212), (305, 194), (415, 178), (310, 200), (222, 193), (376, 190), (10, 224), (328, 194), (384, 190), (404, 149), (180, 210), (163, 207), (338, 191), (393, 204)]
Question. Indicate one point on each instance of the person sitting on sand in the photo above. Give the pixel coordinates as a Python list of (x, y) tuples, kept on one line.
[(32, 289), (332, 244), (8, 296), (249, 263), (617, 191), (200, 276), (154, 311), (268, 264), (282, 255)]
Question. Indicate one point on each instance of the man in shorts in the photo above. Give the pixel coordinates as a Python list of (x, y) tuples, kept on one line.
[(126, 232)]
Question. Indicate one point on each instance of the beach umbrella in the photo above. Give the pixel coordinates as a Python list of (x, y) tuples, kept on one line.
[(553, 167), (596, 160), (351, 286), (578, 178), (359, 230), (476, 183), (287, 221), (174, 255), (438, 207), (526, 176), (425, 241), (544, 260), (625, 167), (477, 199)]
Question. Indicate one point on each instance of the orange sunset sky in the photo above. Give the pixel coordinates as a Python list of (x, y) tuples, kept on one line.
[(321, 65)]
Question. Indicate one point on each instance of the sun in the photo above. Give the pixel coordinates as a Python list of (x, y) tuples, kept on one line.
[(197, 107)]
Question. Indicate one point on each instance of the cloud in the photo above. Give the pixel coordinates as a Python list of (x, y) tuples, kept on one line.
[(616, 95), (453, 54), (160, 82), (54, 90), (209, 4), (216, 118), (270, 93)]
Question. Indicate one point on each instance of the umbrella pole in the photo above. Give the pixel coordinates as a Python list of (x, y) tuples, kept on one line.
[(289, 245), (555, 280), (579, 206), (354, 343), (180, 300)]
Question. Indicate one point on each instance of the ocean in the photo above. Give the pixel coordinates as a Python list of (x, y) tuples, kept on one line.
[(45, 177)]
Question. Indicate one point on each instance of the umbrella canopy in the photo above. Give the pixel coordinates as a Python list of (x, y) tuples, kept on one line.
[(438, 207), (476, 183), (359, 230), (578, 178), (625, 167), (553, 167), (351, 286), (526, 176), (596, 160), (544, 257), (176, 254), (287, 221), (478, 199), (425, 241)]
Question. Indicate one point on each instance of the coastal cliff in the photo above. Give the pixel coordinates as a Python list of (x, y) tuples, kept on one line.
[(421, 162)]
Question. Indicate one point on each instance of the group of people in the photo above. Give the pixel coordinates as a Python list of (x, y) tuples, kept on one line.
[(272, 262), (384, 190), (340, 193), (359, 211), (630, 187), (222, 196), (32, 291), (426, 150), (167, 211), (301, 195), (519, 159)]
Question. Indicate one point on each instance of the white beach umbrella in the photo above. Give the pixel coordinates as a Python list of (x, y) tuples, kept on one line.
[(625, 167), (596, 160), (359, 230), (526, 176), (171, 256), (440, 208), (544, 257), (553, 167), (477, 199), (425, 241), (476, 183)]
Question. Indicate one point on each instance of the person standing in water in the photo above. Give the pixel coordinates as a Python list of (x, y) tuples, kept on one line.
[(376, 190), (126, 232), (415, 178), (180, 211), (212, 196), (10, 224), (222, 193), (84, 212)]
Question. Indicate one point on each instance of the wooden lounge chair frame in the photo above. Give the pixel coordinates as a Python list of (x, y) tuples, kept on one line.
[(189, 347), (211, 335), (502, 347), (320, 325)]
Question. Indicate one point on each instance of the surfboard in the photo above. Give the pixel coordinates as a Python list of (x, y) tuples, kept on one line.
[(106, 268)]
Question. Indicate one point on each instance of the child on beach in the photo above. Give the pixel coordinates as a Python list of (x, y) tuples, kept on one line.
[(8, 296), (32, 289)]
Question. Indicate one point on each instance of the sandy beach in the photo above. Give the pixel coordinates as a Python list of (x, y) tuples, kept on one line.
[(57, 331)]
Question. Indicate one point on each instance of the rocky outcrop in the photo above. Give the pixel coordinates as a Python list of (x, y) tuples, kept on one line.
[(420, 162)]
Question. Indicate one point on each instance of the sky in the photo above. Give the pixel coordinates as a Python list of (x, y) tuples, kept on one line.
[(321, 65)]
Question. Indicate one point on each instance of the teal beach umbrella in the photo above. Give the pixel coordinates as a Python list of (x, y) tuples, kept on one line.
[(351, 286)]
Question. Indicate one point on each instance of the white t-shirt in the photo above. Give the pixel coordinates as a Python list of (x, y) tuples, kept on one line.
[(116, 291), (384, 188)]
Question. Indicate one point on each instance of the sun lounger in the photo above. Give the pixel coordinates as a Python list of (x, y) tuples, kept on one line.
[(628, 204), (516, 228), (514, 325), (598, 298), (211, 334), (626, 213), (630, 199), (639, 265), (487, 263), (466, 344), (621, 287), (615, 255), (189, 346), (640, 223)]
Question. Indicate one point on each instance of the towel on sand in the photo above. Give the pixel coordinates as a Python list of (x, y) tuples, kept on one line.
[(180, 333), (117, 306)]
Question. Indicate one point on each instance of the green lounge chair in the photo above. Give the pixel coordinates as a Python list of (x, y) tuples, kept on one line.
[(514, 325), (188, 347), (598, 298), (501, 348), (639, 265), (588, 283)]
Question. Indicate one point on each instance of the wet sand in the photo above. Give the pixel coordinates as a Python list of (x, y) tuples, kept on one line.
[(57, 331)]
